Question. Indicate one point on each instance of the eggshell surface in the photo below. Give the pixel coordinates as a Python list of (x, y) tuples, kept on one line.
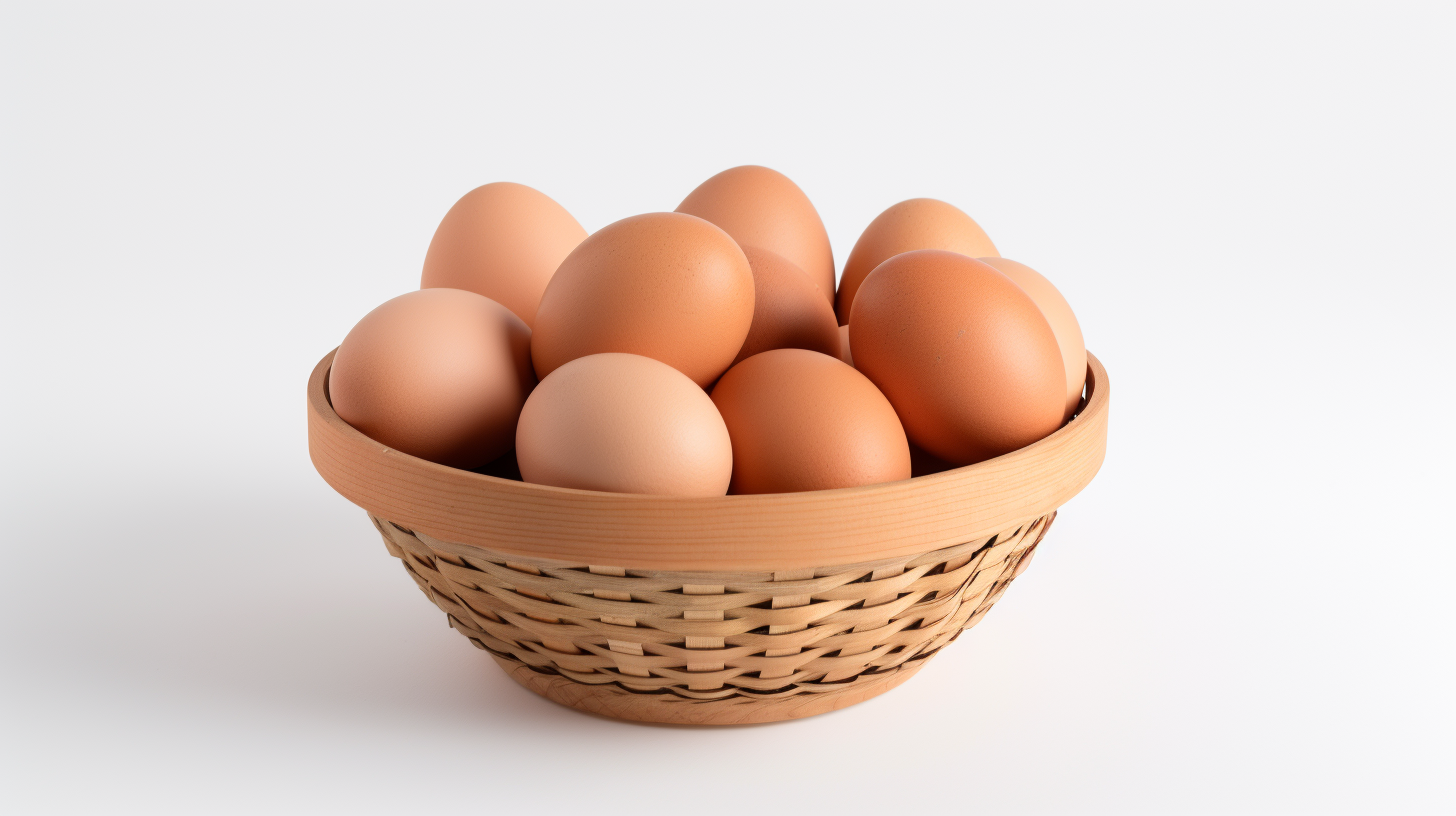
[(503, 241), (764, 208), (844, 346), (668, 286), (801, 420), (789, 311), (920, 223), (1064, 324), (963, 353), (623, 423), (439, 373)]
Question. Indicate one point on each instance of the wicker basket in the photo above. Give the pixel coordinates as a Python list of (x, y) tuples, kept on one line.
[(737, 609)]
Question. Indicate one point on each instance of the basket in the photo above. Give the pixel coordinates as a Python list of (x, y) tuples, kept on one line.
[(724, 610)]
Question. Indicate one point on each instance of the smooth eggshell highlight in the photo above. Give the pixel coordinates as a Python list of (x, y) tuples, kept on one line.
[(623, 423), (920, 223), (1064, 324), (668, 286), (801, 420), (439, 373), (789, 310), (764, 208), (965, 356), (503, 241)]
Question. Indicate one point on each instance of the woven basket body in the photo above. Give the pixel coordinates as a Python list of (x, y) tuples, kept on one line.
[(734, 610)]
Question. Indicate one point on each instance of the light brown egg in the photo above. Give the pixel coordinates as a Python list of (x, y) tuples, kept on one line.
[(789, 311), (920, 223), (503, 241), (440, 374), (801, 420), (1064, 324), (965, 356), (668, 286), (844, 345), (623, 424), (763, 208)]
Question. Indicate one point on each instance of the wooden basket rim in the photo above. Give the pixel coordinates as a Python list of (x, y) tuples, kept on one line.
[(774, 532)]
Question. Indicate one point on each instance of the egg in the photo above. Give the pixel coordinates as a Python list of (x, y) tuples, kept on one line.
[(963, 353), (844, 345), (503, 241), (920, 223), (801, 420), (439, 373), (763, 208), (623, 423), (789, 310), (1064, 324), (668, 286)]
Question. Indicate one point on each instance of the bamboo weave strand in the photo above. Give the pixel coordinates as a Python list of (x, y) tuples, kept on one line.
[(699, 637)]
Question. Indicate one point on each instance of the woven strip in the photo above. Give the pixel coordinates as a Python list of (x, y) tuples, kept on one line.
[(714, 635)]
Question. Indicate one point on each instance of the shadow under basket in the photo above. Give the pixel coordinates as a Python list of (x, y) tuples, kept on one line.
[(724, 610)]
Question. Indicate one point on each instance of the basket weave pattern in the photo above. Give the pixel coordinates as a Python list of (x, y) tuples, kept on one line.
[(699, 637)]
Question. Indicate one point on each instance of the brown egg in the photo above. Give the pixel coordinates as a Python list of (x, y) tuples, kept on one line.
[(789, 311), (844, 345), (801, 420), (668, 286), (965, 356), (440, 374), (920, 223), (1064, 324), (624, 424), (763, 208), (503, 241)]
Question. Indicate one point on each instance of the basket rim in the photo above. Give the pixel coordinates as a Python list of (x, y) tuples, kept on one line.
[(774, 532)]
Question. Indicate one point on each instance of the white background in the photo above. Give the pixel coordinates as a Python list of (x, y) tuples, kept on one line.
[(1249, 206)]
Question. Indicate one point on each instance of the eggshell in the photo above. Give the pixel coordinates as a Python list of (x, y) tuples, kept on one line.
[(801, 420), (763, 208), (789, 311), (668, 286), (920, 223), (844, 345), (1064, 324), (440, 374), (963, 353), (624, 424), (503, 241)]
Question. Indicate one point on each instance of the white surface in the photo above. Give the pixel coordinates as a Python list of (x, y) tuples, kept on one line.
[(1251, 208)]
